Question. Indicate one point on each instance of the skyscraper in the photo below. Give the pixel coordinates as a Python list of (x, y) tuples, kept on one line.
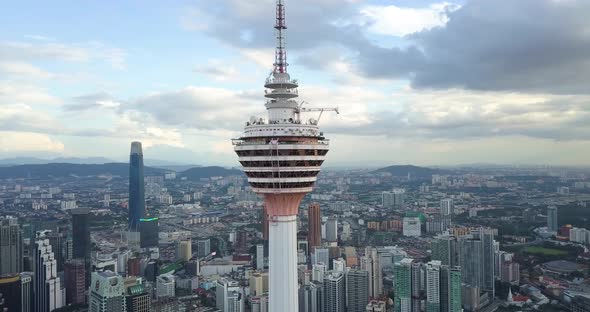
[(332, 230), (403, 286), (184, 249), (552, 224), (107, 293), (48, 293), (282, 156), (444, 249), (477, 261), (203, 247), (260, 257), (148, 232), (11, 246), (312, 297), (446, 207), (370, 263), (10, 292), (357, 290), (136, 187), (433, 289), (314, 234), (137, 299), (75, 281), (27, 295), (81, 245), (334, 292), (394, 199)]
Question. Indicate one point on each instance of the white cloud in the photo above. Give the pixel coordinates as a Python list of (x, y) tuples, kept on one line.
[(20, 93), (400, 21), (23, 70), (21, 142)]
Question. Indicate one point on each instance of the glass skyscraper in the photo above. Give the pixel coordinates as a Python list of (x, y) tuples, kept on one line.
[(136, 187)]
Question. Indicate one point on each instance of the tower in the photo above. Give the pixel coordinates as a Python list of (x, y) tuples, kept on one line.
[(281, 156), (107, 293), (136, 187), (75, 280), (11, 246), (334, 292), (357, 290), (81, 246), (48, 293), (314, 234), (552, 224)]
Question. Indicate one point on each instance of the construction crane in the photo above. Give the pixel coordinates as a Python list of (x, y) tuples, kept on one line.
[(301, 109)]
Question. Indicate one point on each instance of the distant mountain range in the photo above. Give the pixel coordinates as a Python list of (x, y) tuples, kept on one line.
[(414, 171), (115, 169), (164, 164)]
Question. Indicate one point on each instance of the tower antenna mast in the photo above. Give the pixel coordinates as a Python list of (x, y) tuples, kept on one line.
[(280, 65)]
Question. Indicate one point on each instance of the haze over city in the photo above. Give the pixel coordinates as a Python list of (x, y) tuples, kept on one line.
[(417, 82)]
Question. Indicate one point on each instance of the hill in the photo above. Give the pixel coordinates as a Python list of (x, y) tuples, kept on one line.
[(194, 174), (67, 169), (414, 171)]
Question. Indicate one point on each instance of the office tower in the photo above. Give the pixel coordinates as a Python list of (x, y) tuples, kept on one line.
[(48, 292), (137, 299), (334, 292), (552, 224), (444, 249), (332, 230), (418, 288), (281, 156), (264, 223), (134, 267), (225, 294), (403, 285), (192, 267), (11, 246), (259, 304), (57, 241), (370, 263), (184, 249), (312, 297), (394, 199), (81, 245), (412, 226), (258, 283), (27, 295), (136, 187), (318, 271), (10, 292), (433, 286), (446, 207), (75, 281), (357, 290), (260, 257), (107, 293), (338, 265), (314, 234), (203, 248), (165, 286), (477, 261), (148, 232), (151, 270), (321, 255)]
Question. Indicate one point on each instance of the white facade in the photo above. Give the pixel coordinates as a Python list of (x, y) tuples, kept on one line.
[(393, 199), (332, 230), (339, 265), (446, 207), (433, 283), (106, 293), (412, 226), (580, 235), (283, 283), (165, 286), (225, 293), (317, 272), (259, 257)]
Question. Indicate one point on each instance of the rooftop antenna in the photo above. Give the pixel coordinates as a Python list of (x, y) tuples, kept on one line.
[(280, 65)]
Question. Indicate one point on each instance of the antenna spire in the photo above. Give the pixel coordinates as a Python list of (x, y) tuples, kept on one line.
[(280, 27)]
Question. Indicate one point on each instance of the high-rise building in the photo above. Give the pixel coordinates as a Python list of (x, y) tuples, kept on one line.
[(136, 187), (137, 299), (184, 249), (10, 292), (106, 293), (81, 246), (321, 255), (165, 286), (259, 304), (446, 207), (11, 246), (334, 292), (260, 257), (443, 288), (433, 286), (477, 261), (57, 241), (357, 290), (48, 292), (27, 295), (412, 226), (339, 265), (228, 295), (282, 156), (75, 281), (332, 230), (552, 224), (314, 234), (370, 263), (444, 249), (394, 199), (203, 247), (148, 232), (376, 306), (418, 286), (312, 297), (403, 285)]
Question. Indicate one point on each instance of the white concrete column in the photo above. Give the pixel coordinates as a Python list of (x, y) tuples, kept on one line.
[(283, 285)]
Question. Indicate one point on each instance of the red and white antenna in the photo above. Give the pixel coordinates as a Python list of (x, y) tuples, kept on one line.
[(280, 52)]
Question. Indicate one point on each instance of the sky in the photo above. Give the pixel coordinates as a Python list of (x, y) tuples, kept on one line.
[(416, 81)]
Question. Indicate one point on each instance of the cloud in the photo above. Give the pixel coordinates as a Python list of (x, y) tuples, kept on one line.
[(12, 93), (100, 100), (527, 46), (26, 142), (23, 70), (219, 70), (69, 52), (399, 21)]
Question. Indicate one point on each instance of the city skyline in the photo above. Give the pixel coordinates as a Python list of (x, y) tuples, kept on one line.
[(409, 77)]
